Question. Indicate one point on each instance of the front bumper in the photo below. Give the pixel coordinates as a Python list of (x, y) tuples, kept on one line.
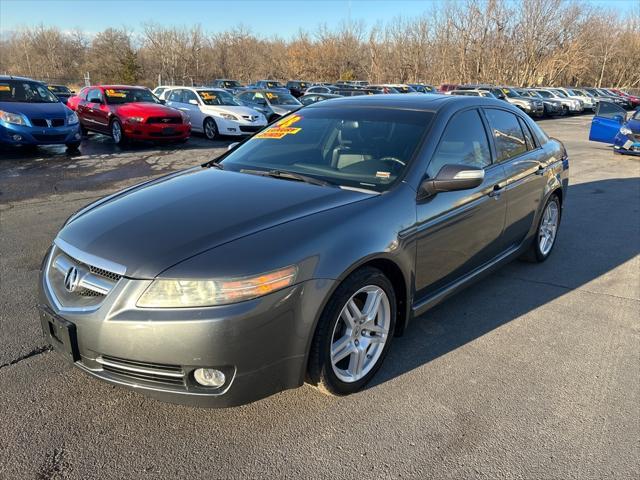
[(12, 134), (261, 345), (627, 144), (240, 127), (157, 131)]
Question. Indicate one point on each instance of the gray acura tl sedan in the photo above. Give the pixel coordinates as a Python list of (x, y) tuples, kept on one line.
[(301, 252)]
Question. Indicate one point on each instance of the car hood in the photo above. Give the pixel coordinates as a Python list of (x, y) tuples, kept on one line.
[(634, 125), (232, 109), (39, 110), (139, 109), (284, 109), (154, 226)]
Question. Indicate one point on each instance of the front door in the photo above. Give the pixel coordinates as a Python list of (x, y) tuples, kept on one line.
[(459, 231), (607, 122)]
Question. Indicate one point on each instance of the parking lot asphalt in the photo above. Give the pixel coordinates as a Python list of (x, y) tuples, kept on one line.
[(531, 373)]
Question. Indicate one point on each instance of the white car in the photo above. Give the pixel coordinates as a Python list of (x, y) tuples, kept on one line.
[(215, 112), (162, 91)]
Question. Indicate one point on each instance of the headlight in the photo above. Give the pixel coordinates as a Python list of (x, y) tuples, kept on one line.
[(72, 119), (625, 131), (14, 118), (203, 293), (228, 116), (135, 119)]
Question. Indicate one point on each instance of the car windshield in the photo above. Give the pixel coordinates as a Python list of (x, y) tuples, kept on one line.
[(231, 84), (545, 94), (573, 93), (59, 89), (25, 92), (560, 94), (510, 92), (281, 99), (117, 96), (350, 147), (217, 97), (636, 116), (274, 85)]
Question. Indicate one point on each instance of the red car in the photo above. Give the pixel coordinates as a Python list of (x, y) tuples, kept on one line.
[(72, 101), (130, 113), (634, 99)]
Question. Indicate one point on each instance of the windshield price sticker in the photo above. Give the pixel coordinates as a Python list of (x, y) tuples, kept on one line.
[(282, 128), (115, 93), (270, 95), (207, 96), (5, 88)]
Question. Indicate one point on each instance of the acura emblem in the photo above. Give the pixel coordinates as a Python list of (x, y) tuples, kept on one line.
[(71, 279)]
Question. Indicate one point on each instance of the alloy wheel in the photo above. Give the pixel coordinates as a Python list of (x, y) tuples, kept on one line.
[(360, 334), (548, 228), (116, 132)]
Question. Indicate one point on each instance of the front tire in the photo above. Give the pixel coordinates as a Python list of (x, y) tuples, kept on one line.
[(73, 147), (353, 334), (210, 129), (117, 133), (546, 233)]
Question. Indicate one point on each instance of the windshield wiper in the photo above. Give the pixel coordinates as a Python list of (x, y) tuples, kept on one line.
[(289, 176)]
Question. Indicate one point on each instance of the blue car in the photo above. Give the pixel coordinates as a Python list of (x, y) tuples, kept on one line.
[(31, 115), (610, 125)]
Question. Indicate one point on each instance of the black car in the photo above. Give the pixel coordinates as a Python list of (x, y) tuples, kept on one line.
[(316, 97), (342, 222), (297, 87), (62, 92)]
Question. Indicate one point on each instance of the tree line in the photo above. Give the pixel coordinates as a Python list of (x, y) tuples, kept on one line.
[(522, 42)]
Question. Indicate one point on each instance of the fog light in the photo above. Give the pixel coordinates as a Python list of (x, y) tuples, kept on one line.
[(209, 377), (17, 138)]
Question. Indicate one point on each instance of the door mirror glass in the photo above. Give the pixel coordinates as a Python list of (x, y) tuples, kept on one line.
[(451, 178)]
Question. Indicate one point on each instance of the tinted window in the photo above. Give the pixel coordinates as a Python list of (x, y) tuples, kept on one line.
[(507, 134), (464, 142), (188, 95), (94, 96), (609, 110), (176, 96), (25, 92), (528, 136)]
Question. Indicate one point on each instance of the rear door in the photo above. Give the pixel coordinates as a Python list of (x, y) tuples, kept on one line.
[(523, 159), (607, 122)]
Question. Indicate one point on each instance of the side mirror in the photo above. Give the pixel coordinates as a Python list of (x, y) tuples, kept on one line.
[(619, 119), (232, 146), (193, 101), (451, 178)]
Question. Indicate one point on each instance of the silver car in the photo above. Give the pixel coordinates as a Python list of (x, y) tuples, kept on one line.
[(569, 105)]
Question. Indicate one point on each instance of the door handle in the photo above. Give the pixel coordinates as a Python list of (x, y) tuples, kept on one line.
[(497, 191)]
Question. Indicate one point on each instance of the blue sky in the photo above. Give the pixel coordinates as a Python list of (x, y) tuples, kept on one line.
[(266, 18)]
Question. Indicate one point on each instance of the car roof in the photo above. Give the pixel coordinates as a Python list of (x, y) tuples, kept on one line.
[(262, 90), (119, 86), (11, 77), (426, 102)]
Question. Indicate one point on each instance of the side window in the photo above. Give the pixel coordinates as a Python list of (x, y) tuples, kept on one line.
[(609, 110), (464, 142), (245, 97), (507, 134), (188, 95), (175, 96), (528, 136), (83, 94), (94, 96)]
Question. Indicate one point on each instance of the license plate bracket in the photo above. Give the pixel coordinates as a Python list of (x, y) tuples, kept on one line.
[(168, 131), (61, 334)]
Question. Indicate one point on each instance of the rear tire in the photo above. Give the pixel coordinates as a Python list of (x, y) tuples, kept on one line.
[(546, 234), (353, 334)]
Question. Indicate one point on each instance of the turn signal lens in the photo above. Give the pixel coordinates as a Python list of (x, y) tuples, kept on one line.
[(203, 293)]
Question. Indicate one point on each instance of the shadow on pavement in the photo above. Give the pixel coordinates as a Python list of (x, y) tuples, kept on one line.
[(599, 232)]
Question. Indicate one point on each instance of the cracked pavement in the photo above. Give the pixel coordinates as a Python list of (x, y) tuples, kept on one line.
[(530, 373)]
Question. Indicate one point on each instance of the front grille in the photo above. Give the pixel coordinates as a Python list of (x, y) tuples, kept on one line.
[(49, 138), (164, 120), (42, 122), (143, 371), (90, 288), (250, 128)]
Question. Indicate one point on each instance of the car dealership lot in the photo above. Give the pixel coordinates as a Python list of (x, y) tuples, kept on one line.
[(532, 372)]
